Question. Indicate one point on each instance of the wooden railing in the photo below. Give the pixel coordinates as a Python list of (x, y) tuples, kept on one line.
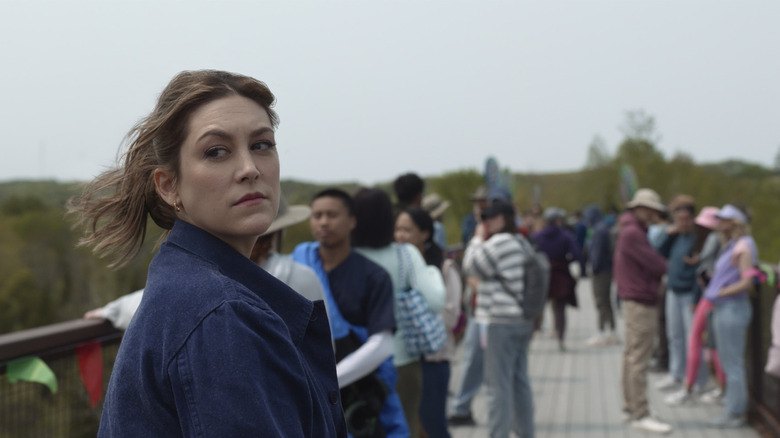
[(764, 389), (30, 409)]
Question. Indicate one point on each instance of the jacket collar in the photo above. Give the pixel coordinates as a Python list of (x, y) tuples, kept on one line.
[(295, 310)]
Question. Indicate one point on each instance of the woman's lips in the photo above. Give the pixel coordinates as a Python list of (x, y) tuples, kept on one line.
[(251, 199)]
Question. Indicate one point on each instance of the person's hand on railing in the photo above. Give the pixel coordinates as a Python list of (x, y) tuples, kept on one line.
[(94, 314)]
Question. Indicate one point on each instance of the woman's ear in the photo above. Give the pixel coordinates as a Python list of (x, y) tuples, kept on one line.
[(426, 235), (165, 184)]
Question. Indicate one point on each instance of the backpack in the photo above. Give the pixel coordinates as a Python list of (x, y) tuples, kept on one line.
[(536, 279)]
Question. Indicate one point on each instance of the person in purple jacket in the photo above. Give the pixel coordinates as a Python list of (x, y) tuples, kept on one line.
[(558, 243), (732, 278), (637, 270)]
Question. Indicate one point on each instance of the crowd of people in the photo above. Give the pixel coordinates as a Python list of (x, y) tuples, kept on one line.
[(229, 337)]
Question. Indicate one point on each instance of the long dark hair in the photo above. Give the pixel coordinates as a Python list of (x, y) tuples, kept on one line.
[(374, 218), (432, 253)]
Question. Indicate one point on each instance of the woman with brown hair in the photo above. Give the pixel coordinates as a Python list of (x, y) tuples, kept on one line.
[(218, 346)]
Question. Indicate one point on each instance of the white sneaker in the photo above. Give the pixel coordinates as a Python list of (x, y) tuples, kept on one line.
[(713, 396), (678, 398), (668, 383), (597, 340), (613, 339), (650, 424)]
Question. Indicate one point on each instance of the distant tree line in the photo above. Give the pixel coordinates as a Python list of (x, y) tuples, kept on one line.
[(46, 278)]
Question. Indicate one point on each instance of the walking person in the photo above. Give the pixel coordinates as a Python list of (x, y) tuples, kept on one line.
[(601, 249), (495, 255), (415, 226), (217, 346), (638, 269), (559, 245)]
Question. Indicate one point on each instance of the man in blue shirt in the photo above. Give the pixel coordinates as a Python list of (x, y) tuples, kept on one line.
[(359, 295), (676, 244)]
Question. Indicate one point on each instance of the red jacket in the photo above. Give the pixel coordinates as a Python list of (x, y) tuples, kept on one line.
[(637, 266)]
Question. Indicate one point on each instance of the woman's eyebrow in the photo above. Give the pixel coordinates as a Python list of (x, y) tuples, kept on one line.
[(222, 134)]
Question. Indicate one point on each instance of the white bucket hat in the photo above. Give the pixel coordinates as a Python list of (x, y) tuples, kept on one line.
[(434, 205), (288, 215), (647, 198)]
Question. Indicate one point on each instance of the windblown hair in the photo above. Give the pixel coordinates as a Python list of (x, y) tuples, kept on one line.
[(114, 206)]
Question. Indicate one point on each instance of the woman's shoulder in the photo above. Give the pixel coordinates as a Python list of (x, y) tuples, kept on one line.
[(746, 244)]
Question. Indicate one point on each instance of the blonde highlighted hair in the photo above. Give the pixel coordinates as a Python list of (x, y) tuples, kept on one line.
[(113, 207), (742, 228)]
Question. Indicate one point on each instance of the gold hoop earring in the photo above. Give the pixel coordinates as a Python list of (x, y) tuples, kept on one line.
[(176, 206)]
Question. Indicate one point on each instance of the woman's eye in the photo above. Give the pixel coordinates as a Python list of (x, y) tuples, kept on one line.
[(216, 152), (263, 145)]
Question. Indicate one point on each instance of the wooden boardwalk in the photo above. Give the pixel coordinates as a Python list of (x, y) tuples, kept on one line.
[(577, 393)]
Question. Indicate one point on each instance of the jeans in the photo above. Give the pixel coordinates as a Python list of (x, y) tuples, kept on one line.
[(509, 397), (602, 294), (435, 380), (679, 320), (730, 322), (471, 371)]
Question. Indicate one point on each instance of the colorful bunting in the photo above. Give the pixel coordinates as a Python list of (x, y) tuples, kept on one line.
[(91, 369), (31, 369)]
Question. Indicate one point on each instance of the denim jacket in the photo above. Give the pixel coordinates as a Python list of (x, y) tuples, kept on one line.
[(221, 348)]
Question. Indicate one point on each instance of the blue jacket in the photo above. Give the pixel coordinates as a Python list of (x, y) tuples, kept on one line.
[(681, 277), (219, 347)]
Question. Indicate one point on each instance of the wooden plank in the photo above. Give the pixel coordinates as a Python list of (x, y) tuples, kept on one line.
[(577, 393)]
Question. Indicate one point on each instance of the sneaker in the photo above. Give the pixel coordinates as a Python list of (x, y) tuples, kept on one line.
[(668, 383), (597, 340), (727, 421), (712, 397), (651, 424), (678, 398), (461, 420), (613, 339)]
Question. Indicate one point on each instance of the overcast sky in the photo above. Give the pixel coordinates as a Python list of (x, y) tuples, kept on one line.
[(367, 90)]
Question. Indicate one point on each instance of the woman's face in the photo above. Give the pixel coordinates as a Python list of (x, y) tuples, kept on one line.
[(228, 180), (494, 224), (725, 226), (407, 231)]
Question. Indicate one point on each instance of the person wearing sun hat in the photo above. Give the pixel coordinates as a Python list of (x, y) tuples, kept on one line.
[(706, 251), (436, 206), (677, 243), (638, 269)]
